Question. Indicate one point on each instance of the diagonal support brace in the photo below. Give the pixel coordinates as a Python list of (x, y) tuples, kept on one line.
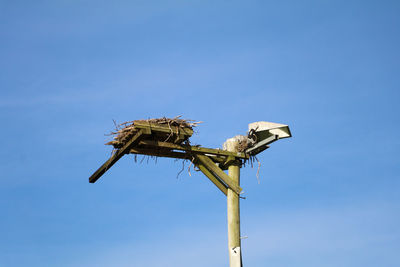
[(114, 158), (220, 174), (221, 186)]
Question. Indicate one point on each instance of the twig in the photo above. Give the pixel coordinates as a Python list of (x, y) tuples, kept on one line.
[(258, 170), (191, 162), (183, 167)]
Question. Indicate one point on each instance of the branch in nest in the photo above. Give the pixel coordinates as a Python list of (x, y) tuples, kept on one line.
[(125, 130)]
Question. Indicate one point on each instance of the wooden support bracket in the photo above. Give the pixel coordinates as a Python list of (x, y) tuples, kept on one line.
[(205, 158), (221, 186), (194, 149), (114, 158), (220, 174), (230, 160)]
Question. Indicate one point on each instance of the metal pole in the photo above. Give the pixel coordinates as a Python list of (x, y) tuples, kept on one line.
[(235, 255)]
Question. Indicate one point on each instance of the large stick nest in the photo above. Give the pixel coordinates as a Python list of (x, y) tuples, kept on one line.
[(126, 130)]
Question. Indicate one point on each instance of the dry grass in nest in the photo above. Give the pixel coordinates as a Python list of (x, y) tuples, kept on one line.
[(126, 130)]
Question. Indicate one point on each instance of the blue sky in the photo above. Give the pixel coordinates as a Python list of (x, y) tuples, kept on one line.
[(329, 196)]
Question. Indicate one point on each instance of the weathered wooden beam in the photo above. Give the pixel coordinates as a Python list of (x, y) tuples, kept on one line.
[(163, 128), (171, 154), (194, 149), (114, 158), (233, 205), (212, 178), (160, 153), (210, 165)]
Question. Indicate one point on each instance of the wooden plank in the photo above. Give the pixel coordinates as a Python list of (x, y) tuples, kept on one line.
[(195, 149), (212, 178), (171, 154), (210, 165), (163, 128), (180, 138), (166, 154), (114, 158)]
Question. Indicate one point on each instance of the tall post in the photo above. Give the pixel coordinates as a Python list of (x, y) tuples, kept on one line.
[(235, 255)]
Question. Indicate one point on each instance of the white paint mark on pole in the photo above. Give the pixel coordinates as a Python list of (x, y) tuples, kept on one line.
[(235, 257)]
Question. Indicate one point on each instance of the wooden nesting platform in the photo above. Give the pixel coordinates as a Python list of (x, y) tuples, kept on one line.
[(162, 140)]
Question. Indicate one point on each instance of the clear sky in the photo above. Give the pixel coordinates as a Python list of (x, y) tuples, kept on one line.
[(329, 196)]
